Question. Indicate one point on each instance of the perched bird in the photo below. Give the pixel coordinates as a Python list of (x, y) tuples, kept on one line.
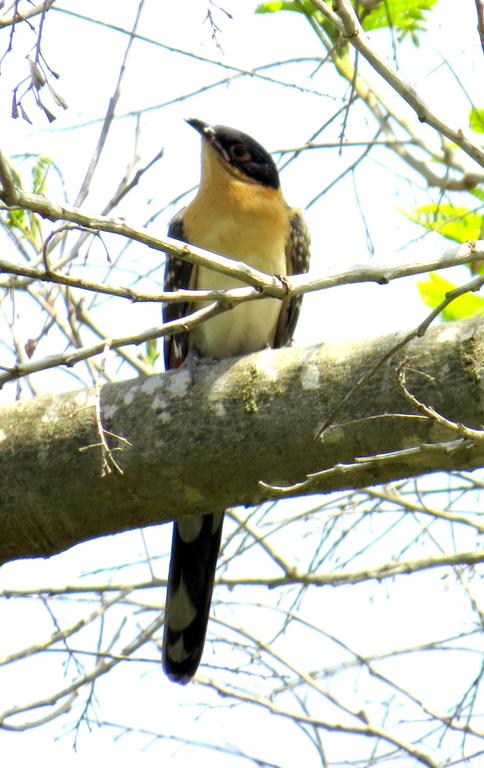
[(239, 211)]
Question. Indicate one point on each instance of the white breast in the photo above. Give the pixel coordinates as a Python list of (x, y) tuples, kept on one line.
[(246, 328)]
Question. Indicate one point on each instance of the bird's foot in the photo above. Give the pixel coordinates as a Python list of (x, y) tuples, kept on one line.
[(192, 362)]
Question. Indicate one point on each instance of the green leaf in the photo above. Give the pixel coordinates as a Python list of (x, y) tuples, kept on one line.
[(455, 223), (434, 290), (39, 174), (151, 354), (307, 8), (477, 192), (25, 222), (406, 16), (476, 120), (16, 219), (273, 7)]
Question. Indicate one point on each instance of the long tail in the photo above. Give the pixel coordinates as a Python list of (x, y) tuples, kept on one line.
[(194, 552)]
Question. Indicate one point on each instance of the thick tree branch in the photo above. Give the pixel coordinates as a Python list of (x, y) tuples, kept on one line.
[(204, 446)]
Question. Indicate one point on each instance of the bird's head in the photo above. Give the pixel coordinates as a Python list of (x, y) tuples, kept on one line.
[(239, 154)]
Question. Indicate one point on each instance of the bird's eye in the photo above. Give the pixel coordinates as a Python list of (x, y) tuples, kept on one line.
[(240, 153)]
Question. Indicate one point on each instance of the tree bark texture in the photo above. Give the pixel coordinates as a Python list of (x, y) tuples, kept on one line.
[(201, 446)]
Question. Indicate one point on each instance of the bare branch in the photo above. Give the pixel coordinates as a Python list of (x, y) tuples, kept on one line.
[(71, 357), (480, 20), (7, 21), (388, 570), (467, 253), (366, 730), (345, 20), (460, 429), (109, 117), (102, 668)]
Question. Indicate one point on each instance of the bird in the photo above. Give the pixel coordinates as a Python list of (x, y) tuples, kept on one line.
[(238, 211)]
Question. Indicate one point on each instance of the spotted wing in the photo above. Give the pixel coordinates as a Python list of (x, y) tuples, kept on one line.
[(298, 251), (178, 275)]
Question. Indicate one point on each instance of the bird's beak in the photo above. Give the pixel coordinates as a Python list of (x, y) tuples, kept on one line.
[(205, 130)]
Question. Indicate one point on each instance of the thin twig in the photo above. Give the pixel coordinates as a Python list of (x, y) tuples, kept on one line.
[(480, 21), (347, 23), (431, 413)]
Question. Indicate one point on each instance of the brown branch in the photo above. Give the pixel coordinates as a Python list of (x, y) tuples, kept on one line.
[(365, 464), (388, 570), (109, 117), (223, 300), (367, 730), (346, 22), (392, 495), (71, 357), (292, 578), (467, 253), (14, 197), (102, 668), (431, 413), (18, 17)]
